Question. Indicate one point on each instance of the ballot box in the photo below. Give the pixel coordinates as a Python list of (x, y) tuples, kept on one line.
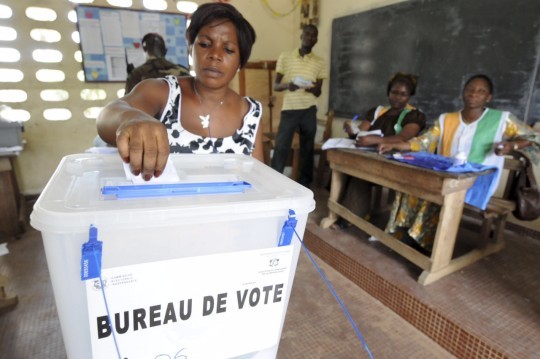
[(202, 267)]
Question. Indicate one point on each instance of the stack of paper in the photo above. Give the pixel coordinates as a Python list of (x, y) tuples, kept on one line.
[(369, 133), (338, 143)]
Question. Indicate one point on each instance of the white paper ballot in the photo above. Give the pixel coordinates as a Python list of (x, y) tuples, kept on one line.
[(169, 175), (302, 82)]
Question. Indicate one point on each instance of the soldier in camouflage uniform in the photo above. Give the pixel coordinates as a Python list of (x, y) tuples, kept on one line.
[(156, 65)]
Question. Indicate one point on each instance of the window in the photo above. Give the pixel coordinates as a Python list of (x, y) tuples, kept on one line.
[(46, 75), (93, 94), (47, 56), (57, 114), (50, 36), (7, 33), (92, 112), (13, 96), (72, 16), (11, 75), (5, 12), (45, 35), (14, 115), (9, 54), (187, 7), (155, 4), (78, 56), (120, 3), (54, 95), (80, 75), (76, 37), (40, 13)]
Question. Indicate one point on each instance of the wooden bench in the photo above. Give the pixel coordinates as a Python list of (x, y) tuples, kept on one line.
[(493, 218)]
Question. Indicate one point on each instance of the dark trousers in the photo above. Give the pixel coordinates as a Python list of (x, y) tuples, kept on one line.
[(306, 123)]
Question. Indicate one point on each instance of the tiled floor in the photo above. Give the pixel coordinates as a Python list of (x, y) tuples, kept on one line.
[(490, 309)]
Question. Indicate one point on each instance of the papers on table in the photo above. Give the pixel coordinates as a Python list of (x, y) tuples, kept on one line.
[(338, 143), (344, 143), (369, 133)]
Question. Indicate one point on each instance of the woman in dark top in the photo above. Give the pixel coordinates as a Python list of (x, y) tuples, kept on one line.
[(397, 122)]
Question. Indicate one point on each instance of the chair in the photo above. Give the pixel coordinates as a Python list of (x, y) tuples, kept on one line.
[(494, 217)]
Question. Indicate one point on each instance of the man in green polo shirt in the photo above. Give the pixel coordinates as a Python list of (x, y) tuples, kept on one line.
[(300, 74)]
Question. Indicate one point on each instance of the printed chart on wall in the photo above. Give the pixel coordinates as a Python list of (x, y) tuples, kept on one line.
[(111, 39)]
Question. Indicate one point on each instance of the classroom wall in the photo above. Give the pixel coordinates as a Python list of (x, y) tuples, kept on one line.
[(48, 141), (278, 29)]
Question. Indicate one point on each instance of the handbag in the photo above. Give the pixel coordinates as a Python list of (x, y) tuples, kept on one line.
[(524, 191)]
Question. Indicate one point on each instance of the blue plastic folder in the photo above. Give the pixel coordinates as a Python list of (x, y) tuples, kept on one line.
[(174, 189), (482, 189)]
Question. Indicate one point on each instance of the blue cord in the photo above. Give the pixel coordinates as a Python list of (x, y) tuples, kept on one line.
[(107, 308), (349, 317)]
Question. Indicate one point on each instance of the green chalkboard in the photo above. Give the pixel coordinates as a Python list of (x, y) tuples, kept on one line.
[(444, 42)]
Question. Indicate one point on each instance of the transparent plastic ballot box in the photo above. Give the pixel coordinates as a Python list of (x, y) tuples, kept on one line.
[(199, 268)]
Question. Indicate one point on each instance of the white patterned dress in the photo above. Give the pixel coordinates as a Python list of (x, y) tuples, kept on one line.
[(183, 141)]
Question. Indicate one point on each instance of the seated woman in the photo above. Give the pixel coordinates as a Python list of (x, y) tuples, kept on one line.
[(397, 122), (483, 134)]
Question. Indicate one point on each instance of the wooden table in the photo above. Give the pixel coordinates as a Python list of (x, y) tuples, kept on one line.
[(446, 189), (11, 218)]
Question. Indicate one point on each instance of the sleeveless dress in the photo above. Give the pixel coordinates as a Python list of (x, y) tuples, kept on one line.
[(183, 141), (357, 194)]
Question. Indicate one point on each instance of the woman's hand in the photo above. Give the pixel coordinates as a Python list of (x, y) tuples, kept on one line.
[(128, 124), (143, 143), (505, 147), (365, 141), (347, 127), (385, 147), (400, 146)]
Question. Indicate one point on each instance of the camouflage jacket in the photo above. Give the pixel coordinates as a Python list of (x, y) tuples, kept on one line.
[(154, 68)]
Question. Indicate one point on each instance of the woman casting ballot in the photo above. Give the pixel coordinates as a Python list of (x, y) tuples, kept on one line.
[(198, 114), (481, 133)]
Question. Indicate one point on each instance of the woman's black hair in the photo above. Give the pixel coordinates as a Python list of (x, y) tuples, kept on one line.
[(208, 12), (483, 77), (407, 79)]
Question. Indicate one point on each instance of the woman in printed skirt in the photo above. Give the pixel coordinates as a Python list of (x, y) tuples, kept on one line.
[(482, 134)]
